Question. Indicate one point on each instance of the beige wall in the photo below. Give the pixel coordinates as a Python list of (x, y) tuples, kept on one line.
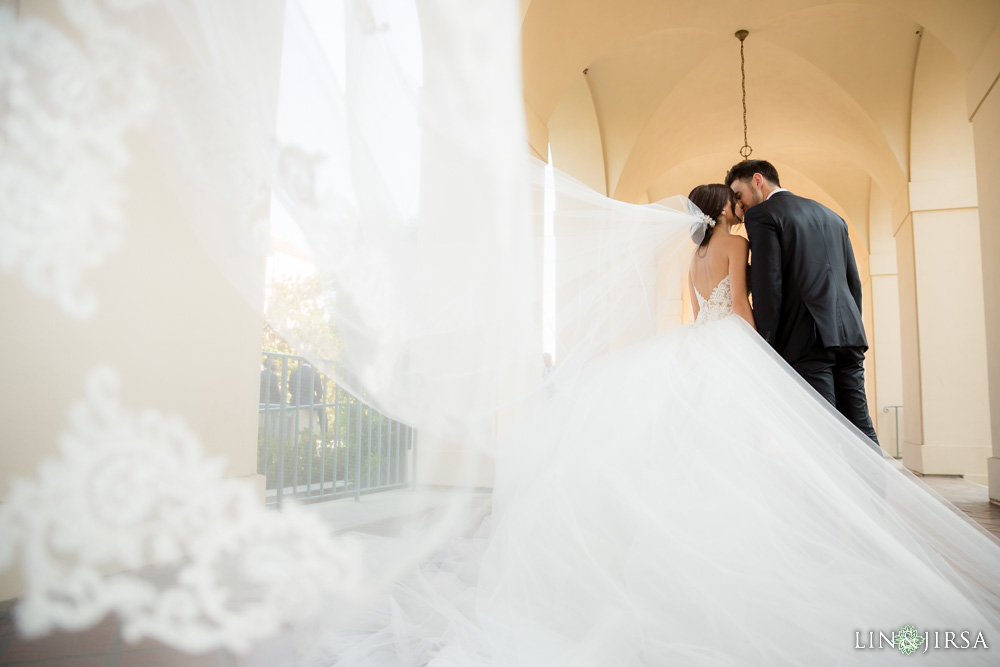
[(448, 461), (912, 423), (940, 280), (575, 137), (886, 344), (180, 338), (538, 133), (953, 391), (983, 108), (888, 362)]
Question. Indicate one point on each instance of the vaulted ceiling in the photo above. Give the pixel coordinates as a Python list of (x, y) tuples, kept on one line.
[(830, 89)]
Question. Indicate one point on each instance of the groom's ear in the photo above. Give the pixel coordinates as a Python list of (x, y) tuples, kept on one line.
[(758, 180)]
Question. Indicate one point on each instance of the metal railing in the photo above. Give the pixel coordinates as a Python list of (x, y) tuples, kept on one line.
[(317, 441), (896, 409)]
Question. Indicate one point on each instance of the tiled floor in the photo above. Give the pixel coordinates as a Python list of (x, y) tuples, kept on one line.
[(103, 646), (99, 647), (973, 499)]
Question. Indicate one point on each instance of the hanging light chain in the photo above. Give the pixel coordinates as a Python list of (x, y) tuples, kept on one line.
[(746, 150)]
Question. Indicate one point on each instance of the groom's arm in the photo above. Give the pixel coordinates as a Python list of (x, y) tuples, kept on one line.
[(851, 265), (765, 271)]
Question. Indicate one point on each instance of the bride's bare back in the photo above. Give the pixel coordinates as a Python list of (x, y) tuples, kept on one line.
[(710, 264), (725, 254)]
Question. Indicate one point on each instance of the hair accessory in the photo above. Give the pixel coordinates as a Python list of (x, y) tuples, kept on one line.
[(700, 226)]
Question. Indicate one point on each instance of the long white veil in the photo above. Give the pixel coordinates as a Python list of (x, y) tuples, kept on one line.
[(381, 144)]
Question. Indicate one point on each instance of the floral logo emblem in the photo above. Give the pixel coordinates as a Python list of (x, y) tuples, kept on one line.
[(908, 640)]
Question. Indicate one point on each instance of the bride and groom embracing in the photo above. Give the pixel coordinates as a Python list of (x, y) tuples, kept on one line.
[(691, 500), (806, 288)]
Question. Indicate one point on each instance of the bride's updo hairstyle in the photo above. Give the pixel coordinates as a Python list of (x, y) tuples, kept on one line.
[(712, 199)]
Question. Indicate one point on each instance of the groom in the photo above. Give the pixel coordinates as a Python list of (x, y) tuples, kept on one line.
[(806, 289)]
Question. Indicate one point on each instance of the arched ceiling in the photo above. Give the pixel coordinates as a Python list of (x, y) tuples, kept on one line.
[(829, 85)]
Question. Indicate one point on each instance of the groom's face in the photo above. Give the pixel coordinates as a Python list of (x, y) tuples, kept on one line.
[(748, 192)]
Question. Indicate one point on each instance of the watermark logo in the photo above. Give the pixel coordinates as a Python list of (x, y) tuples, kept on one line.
[(908, 640)]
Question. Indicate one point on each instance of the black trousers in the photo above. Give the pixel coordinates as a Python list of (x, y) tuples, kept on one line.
[(838, 374)]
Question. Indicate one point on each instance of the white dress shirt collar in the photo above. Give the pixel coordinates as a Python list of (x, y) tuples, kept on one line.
[(775, 191)]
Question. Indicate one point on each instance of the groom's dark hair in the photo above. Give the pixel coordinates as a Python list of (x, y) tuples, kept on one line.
[(745, 170)]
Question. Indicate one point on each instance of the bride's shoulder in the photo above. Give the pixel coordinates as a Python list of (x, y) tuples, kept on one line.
[(735, 242)]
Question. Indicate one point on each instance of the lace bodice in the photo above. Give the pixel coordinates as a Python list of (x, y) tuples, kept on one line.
[(718, 305)]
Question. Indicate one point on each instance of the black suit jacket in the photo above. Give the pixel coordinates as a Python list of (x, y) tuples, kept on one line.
[(805, 279), (305, 386), (269, 391)]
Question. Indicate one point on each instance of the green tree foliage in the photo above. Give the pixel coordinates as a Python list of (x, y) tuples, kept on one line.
[(346, 436), (297, 320)]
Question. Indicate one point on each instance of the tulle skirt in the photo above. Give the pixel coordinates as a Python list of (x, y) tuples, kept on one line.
[(690, 501)]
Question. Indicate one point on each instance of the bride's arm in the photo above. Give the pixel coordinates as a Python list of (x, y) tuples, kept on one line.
[(738, 257)]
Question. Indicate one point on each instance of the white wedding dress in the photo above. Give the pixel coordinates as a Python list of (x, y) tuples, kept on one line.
[(689, 501)]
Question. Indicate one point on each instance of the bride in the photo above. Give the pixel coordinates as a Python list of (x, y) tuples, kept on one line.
[(716, 264), (690, 500)]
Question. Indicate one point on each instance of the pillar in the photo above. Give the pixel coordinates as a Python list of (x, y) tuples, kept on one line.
[(983, 108)]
